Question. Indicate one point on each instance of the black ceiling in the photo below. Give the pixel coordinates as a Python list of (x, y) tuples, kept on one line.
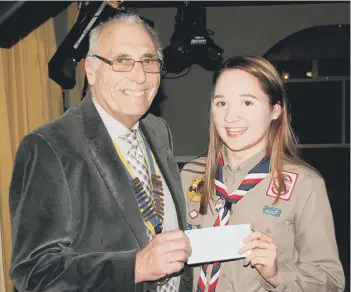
[(214, 3), (19, 18)]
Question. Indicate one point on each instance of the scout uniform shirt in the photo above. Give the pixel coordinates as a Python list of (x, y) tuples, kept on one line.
[(300, 224)]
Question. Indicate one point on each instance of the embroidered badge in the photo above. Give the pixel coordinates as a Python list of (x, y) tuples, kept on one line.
[(195, 190), (193, 214), (219, 204), (272, 211), (290, 179)]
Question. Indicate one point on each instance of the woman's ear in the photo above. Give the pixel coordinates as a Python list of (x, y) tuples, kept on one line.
[(277, 111)]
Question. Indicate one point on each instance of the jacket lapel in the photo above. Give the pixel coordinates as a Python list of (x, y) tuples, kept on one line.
[(168, 167), (111, 169)]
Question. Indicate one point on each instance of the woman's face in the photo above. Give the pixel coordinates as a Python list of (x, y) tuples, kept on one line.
[(241, 112)]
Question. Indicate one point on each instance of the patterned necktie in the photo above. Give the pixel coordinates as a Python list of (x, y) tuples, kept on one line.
[(136, 159)]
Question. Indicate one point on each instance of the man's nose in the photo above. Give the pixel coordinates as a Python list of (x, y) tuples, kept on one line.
[(137, 73)]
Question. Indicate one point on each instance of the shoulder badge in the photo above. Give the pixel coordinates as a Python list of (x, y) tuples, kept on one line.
[(290, 179), (195, 190)]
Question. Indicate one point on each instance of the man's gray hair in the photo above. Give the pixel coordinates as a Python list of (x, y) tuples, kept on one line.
[(122, 18)]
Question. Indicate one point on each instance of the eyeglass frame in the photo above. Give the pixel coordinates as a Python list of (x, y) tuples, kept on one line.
[(110, 62)]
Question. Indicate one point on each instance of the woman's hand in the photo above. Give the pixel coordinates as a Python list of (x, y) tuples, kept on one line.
[(263, 256)]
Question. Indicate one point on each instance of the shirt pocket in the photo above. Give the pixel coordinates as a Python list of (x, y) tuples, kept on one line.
[(282, 231)]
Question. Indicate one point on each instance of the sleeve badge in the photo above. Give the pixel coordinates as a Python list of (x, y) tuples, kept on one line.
[(290, 179), (195, 190)]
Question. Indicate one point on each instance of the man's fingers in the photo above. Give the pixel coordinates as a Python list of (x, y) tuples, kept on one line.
[(163, 247), (173, 234), (177, 256), (164, 255), (179, 244), (174, 267)]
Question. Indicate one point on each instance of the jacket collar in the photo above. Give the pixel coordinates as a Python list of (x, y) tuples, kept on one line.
[(110, 167)]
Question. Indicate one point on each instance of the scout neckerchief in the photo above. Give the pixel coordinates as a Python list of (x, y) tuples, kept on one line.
[(255, 175), (152, 210)]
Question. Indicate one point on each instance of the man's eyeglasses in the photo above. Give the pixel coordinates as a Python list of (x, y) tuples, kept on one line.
[(126, 64)]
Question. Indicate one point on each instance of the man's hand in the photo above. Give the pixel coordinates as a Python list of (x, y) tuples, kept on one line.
[(164, 255)]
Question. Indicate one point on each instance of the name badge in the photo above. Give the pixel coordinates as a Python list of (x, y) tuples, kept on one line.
[(272, 211)]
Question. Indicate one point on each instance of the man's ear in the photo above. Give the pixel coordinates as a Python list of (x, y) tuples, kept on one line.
[(277, 111), (90, 71)]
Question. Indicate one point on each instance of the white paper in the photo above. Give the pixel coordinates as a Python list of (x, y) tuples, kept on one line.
[(217, 243)]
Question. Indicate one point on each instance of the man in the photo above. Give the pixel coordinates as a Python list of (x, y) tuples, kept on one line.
[(91, 190)]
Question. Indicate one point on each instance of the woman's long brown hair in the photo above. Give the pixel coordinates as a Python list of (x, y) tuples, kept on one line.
[(282, 143)]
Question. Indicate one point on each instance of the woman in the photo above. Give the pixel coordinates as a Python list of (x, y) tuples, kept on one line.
[(252, 174)]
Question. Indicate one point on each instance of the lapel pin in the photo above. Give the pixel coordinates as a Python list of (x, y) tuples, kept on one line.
[(193, 214), (219, 204)]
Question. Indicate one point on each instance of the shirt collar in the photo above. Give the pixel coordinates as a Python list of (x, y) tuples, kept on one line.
[(115, 128), (247, 164)]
